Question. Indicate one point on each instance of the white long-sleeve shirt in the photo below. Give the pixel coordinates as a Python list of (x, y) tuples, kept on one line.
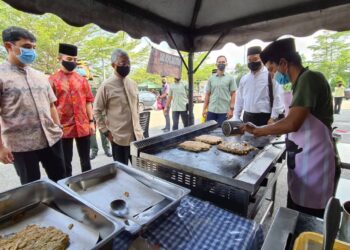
[(253, 95)]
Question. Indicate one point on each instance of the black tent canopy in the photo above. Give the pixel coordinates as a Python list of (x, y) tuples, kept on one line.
[(199, 25)]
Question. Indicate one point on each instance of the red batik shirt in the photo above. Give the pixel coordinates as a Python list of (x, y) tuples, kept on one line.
[(73, 92)]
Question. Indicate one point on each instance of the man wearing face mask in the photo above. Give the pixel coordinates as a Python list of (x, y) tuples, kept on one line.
[(116, 108), (258, 95), (164, 98), (220, 94), (74, 105), (311, 161), (30, 126)]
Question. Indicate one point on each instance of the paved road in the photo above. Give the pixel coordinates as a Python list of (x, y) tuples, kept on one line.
[(9, 179)]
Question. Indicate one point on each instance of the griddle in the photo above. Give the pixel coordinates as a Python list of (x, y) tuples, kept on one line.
[(230, 181), (213, 161)]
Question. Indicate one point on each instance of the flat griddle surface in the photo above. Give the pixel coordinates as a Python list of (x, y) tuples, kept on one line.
[(214, 160)]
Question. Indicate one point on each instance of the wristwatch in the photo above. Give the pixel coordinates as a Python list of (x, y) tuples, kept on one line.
[(106, 133), (91, 121), (232, 108)]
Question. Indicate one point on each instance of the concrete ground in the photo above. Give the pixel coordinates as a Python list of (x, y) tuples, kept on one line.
[(9, 178)]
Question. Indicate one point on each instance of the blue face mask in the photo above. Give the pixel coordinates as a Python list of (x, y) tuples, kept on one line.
[(282, 78), (27, 56), (81, 72)]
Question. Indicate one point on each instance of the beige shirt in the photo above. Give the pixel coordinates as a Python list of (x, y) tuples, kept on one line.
[(25, 116), (118, 100)]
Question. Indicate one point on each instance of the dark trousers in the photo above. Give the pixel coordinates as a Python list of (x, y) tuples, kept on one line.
[(121, 153), (218, 117), (184, 118), (94, 144), (167, 120), (83, 146), (259, 119), (51, 158), (311, 211), (337, 104)]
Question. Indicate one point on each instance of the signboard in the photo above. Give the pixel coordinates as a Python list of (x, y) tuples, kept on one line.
[(164, 64)]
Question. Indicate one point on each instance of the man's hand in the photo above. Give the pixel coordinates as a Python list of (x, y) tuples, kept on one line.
[(165, 110), (271, 121), (204, 113), (250, 128), (110, 137), (229, 114), (92, 128), (6, 155)]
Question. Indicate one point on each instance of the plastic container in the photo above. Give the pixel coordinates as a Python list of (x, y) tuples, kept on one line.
[(313, 241)]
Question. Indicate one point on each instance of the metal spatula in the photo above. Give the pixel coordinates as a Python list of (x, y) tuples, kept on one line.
[(331, 223)]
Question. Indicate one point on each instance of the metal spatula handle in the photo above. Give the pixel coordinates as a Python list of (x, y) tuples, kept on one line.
[(331, 223)]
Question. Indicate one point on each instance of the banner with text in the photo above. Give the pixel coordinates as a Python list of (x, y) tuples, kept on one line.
[(164, 64)]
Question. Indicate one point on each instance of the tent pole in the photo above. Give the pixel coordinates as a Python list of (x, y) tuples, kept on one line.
[(190, 88), (177, 49)]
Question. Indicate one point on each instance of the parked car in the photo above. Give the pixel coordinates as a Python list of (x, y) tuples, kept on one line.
[(347, 93), (198, 98), (146, 100)]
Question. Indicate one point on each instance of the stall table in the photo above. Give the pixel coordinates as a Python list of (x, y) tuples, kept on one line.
[(198, 224)]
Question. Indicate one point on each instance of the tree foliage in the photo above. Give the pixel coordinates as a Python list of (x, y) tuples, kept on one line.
[(331, 56), (95, 45)]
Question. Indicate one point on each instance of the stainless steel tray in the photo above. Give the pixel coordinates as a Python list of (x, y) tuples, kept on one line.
[(45, 203), (106, 178)]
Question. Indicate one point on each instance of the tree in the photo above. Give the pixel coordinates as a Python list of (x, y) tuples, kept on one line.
[(95, 45), (240, 70), (331, 55)]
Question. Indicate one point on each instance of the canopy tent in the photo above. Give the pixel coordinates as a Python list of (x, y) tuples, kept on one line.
[(199, 25)]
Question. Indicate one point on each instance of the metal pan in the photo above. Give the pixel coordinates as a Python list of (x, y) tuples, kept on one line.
[(40, 202), (148, 197)]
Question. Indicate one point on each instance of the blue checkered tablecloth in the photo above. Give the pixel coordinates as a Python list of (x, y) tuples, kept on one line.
[(198, 224)]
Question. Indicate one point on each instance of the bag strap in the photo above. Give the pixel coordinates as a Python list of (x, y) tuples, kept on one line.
[(270, 90)]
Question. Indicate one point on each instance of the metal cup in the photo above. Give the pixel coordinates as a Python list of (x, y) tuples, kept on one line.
[(344, 233), (231, 127)]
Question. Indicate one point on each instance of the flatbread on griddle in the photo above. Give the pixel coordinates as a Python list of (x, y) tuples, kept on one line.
[(35, 237), (194, 146), (210, 139), (238, 148)]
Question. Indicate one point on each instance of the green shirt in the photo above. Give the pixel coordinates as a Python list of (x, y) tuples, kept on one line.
[(178, 91), (220, 88), (313, 91)]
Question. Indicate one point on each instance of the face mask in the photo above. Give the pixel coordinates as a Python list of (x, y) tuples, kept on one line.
[(81, 72), (27, 56), (123, 71), (282, 78), (254, 66), (221, 67), (70, 66)]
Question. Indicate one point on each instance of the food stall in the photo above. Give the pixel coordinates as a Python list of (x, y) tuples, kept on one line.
[(172, 220), (239, 183)]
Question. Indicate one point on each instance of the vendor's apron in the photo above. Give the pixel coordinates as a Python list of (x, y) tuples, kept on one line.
[(311, 165)]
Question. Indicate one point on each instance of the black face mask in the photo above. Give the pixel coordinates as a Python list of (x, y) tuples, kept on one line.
[(70, 66), (123, 71), (254, 66)]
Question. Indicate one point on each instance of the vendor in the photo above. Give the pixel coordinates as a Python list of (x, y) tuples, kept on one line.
[(312, 172)]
